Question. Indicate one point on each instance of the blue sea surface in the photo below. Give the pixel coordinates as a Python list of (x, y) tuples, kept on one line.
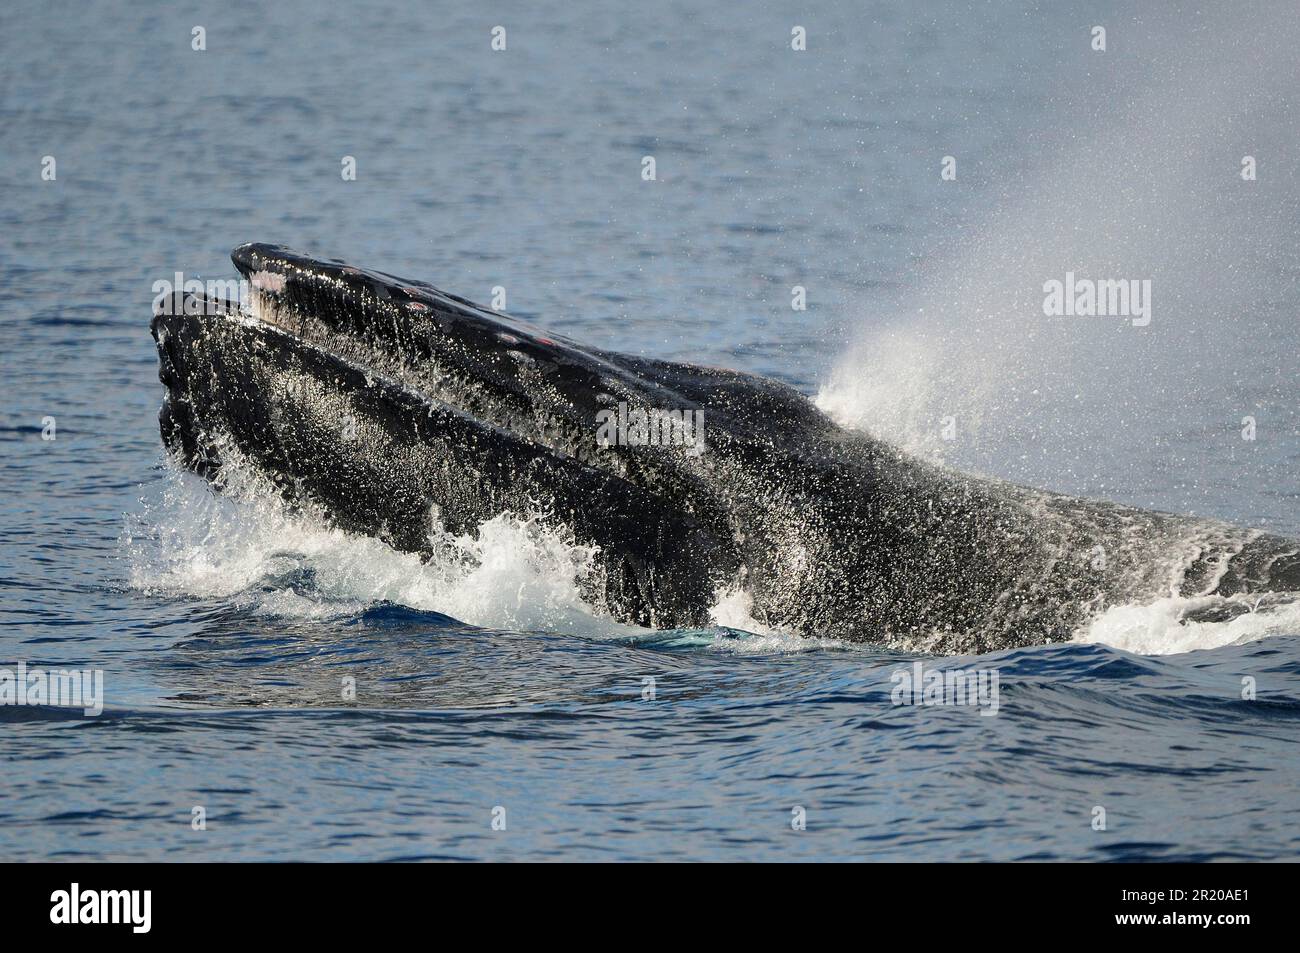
[(495, 718)]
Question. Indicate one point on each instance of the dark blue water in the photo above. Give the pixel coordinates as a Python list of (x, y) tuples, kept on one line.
[(225, 629)]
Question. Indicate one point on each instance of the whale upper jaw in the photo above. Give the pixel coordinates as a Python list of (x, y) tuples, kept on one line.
[(502, 371)]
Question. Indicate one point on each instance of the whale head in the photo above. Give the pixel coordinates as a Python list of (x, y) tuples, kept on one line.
[(398, 409)]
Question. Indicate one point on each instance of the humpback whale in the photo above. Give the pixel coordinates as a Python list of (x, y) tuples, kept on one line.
[(396, 410)]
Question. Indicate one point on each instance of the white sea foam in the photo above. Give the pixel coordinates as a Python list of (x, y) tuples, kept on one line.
[(733, 611), (1161, 627), (243, 546), (517, 574)]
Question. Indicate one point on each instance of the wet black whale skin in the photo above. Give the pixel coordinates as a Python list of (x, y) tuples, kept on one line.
[(395, 408)]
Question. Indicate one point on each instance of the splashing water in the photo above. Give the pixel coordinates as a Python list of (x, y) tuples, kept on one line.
[(244, 544), (1160, 628), (517, 574), (245, 547), (1139, 179)]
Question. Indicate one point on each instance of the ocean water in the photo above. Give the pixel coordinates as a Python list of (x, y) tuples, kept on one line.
[(485, 690)]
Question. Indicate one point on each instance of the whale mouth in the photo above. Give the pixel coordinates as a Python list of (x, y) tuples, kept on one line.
[(497, 370), (399, 410)]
